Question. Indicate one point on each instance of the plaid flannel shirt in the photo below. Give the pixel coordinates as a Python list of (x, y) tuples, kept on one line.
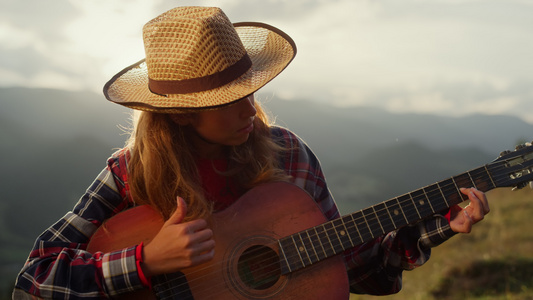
[(60, 267)]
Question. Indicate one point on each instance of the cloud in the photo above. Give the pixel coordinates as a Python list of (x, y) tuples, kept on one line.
[(415, 55), (31, 34), (435, 57), (43, 20)]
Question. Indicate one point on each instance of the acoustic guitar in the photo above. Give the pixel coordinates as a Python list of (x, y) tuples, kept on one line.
[(275, 243)]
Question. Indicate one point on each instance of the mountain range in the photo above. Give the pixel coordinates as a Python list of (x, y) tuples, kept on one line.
[(54, 143)]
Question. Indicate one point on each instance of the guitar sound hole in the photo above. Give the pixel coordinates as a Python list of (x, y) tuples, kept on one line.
[(259, 267)]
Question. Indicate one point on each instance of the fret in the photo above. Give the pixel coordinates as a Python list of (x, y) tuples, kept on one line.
[(325, 241), (332, 236), (396, 213), (442, 194), (490, 177), (400, 211), (449, 188), (462, 181), (428, 199), (297, 247), (468, 178), (372, 222), (472, 180), (384, 217), (286, 265), (342, 234), (452, 192), (322, 254), (305, 246), (377, 218), (338, 246), (362, 226), (456, 187), (367, 225), (421, 203), (354, 233), (313, 246), (414, 205), (436, 199), (390, 216), (482, 179), (347, 232), (408, 207)]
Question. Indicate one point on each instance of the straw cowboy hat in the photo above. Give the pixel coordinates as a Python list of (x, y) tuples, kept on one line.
[(197, 59)]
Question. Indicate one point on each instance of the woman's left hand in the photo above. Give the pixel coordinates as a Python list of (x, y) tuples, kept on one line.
[(462, 219)]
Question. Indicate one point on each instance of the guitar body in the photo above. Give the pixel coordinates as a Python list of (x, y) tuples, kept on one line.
[(247, 254)]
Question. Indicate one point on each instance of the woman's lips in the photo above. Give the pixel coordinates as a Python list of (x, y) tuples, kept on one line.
[(249, 128)]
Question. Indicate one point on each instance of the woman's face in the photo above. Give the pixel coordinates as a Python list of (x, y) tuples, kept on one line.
[(228, 126)]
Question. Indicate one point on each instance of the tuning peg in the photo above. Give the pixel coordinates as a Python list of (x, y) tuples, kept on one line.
[(520, 186), (521, 146), (505, 152)]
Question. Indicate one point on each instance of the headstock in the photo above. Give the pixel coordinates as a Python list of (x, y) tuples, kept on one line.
[(513, 168)]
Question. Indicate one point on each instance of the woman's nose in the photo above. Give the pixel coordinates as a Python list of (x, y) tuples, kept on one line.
[(248, 107)]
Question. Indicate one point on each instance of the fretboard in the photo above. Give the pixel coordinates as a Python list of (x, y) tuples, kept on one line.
[(315, 244)]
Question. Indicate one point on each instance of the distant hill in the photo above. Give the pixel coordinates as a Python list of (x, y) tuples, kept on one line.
[(62, 114), (355, 131), (54, 143), (369, 151), (370, 155)]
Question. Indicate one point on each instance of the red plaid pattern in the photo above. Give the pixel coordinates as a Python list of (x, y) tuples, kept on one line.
[(59, 266)]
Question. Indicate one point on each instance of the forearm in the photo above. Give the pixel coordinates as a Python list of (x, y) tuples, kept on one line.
[(59, 268)]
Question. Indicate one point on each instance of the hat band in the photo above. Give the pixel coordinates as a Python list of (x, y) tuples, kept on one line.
[(200, 84)]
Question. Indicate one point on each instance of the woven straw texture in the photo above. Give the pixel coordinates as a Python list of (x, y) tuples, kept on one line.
[(191, 42)]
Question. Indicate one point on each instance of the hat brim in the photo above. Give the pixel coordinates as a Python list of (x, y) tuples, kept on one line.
[(270, 49)]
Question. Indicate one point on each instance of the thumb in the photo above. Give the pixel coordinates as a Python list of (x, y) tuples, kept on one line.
[(179, 214)]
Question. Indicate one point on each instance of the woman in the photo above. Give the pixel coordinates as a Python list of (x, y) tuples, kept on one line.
[(201, 142)]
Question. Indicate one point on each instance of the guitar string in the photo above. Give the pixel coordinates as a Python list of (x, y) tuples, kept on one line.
[(411, 212), (200, 280), (474, 177), (216, 287), (420, 196)]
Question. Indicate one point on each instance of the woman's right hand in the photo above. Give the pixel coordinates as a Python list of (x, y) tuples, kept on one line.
[(178, 245)]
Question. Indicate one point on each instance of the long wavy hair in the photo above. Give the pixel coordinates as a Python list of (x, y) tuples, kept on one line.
[(162, 164)]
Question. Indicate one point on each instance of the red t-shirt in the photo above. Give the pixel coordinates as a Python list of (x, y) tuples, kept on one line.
[(218, 188)]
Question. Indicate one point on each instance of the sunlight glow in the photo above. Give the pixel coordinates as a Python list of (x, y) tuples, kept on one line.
[(408, 56)]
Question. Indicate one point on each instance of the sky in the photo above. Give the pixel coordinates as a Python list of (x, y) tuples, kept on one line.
[(445, 57)]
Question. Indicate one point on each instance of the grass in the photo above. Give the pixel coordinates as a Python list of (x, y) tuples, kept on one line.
[(495, 261)]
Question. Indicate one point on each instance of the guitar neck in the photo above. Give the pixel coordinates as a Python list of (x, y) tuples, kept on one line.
[(315, 244)]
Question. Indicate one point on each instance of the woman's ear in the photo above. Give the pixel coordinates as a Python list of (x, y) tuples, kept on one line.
[(181, 119)]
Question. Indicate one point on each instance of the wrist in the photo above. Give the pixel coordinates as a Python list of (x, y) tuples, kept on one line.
[(142, 271)]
